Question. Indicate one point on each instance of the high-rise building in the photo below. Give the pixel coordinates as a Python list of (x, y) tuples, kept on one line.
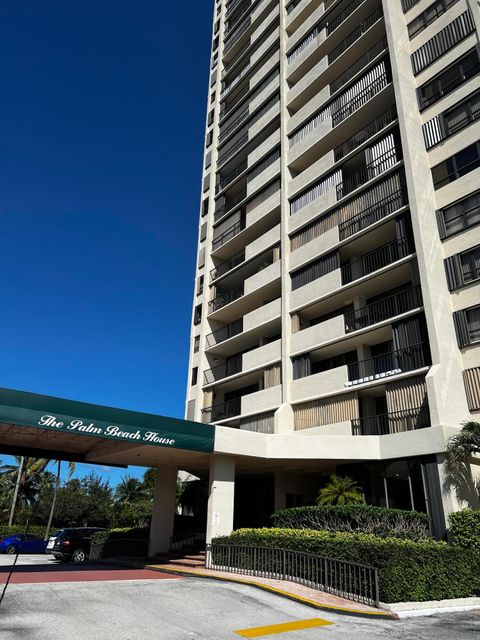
[(336, 319)]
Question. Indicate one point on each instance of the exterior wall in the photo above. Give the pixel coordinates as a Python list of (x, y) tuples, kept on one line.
[(350, 99)]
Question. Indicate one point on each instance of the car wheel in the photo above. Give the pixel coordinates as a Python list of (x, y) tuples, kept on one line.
[(10, 549), (79, 556)]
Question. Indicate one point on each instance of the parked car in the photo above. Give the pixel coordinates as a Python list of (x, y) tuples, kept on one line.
[(22, 543), (72, 544)]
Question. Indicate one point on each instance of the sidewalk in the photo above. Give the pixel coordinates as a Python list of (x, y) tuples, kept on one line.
[(299, 593)]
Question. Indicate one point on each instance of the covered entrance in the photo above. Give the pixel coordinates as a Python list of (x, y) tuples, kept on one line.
[(50, 427)]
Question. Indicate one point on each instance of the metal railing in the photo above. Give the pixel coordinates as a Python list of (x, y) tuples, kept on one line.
[(223, 370), (229, 205), (360, 99), (407, 359), (226, 155), (357, 66), (350, 580), (186, 539), (342, 16), (227, 265), (231, 6), (224, 333), (375, 168), (375, 260), (388, 307), (228, 234), (221, 411), (372, 214), (355, 35), (235, 35), (395, 422), (361, 136), (223, 299)]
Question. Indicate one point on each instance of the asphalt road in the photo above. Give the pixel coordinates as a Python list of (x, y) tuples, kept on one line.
[(180, 609)]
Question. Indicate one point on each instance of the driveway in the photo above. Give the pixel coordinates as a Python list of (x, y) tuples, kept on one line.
[(178, 609)]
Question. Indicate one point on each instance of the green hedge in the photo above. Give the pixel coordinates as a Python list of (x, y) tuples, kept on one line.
[(409, 571), (126, 541), (35, 530), (465, 529), (379, 521)]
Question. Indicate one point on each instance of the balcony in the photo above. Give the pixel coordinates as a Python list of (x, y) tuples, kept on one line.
[(358, 178), (365, 133), (386, 365), (253, 359), (395, 422), (375, 260), (228, 234), (224, 333), (355, 35), (222, 299), (222, 411), (251, 403), (388, 307)]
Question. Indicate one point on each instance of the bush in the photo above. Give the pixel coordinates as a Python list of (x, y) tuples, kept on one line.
[(379, 521), (465, 529), (34, 530), (409, 571), (130, 541)]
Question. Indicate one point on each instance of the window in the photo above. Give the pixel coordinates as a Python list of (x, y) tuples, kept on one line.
[(451, 121), (467, 326), (205, 207), (428, 16), (463, 268), (459, 216), (196, 344), (456, 166), (197, 315), (470, 265), (194, 376), (445, 82), (443, 41), (200, 285), (209, 138)]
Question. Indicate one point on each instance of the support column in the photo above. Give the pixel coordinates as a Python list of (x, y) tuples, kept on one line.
[(163, 511), (220, 496)]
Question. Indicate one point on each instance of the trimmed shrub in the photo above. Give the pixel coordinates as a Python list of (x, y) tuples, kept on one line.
[(409, 571), (465, 529), (379, 521), (34, 530), (126, 541)]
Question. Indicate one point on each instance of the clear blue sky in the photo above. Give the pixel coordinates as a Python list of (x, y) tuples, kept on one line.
[(101, 144)]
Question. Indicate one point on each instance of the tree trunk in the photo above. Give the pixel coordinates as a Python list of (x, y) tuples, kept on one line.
[(54, 499), (15, 492)]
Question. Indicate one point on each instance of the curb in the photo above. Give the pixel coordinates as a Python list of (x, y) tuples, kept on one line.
[(358, 613)]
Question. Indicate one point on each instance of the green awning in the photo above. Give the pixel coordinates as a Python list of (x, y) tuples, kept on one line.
[(81, 418)]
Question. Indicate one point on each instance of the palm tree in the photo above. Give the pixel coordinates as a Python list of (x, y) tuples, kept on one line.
[(71, 469), (24, 480), (464, 444), (130, 490), (340, 491)]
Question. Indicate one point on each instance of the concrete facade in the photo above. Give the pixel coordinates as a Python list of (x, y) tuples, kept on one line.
[(337, 286)]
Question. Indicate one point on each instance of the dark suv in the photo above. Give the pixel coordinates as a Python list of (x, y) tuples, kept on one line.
[(72, 544)]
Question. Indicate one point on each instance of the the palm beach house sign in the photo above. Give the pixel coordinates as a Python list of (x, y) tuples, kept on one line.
[(81, 418)]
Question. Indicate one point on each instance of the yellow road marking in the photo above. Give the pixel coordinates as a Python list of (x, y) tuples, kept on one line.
[(257, 632)]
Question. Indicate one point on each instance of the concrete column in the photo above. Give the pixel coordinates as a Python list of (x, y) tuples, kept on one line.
[(220, 496), (163, 512)]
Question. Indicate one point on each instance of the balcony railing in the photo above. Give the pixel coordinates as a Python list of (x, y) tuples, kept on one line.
[(222, 411), (375, 168), (231, 151), (357, 66), (234, 36), (224, 333), (375, 260), (360, 99), (381, 310), (231, 6), (228, 234), (372, 214), (244, 10), (223, 299), (227, 265), (235, 81), (223, 370), (395, 422), (355, 35), (223, 182), (342, 16), (361, 136), (387, 364), (229, 205)]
